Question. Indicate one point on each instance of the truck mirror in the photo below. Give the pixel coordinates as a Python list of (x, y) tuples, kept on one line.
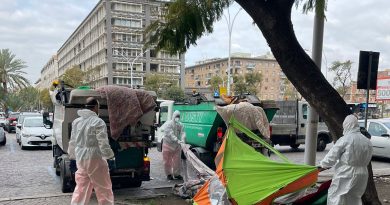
[(46, 120)]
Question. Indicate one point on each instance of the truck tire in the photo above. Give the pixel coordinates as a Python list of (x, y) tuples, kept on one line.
[(321, 143), (56, 167), (131, 183), (294, 146), (64, 180)]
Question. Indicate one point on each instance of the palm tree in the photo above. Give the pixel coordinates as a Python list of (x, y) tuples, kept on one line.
[(11, 73), (188, 20)]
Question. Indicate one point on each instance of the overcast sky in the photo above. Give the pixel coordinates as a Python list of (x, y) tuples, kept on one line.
[(35, 29)]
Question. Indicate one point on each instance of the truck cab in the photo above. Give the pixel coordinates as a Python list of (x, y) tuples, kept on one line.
[(290, 122)]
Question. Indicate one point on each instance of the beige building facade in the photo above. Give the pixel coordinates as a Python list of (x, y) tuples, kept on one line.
[(49, 73), (274, 82), (110, 40)]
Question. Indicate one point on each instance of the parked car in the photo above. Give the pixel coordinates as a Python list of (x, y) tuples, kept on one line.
[(2, 121), (34, 134), (379, 130), (21, 118), (10, 123), (3, 139)]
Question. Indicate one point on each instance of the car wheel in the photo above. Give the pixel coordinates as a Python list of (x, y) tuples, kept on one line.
[(321, 144), (3, 142), (294, 146), (131, 183), (56, 167)]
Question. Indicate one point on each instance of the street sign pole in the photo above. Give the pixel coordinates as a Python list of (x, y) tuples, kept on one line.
[(368, 88)]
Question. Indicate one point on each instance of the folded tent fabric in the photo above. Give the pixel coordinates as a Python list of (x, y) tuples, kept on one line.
[(125, 106), (251, 178)]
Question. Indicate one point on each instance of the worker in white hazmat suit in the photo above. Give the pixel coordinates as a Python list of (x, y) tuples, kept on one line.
[(171, 149), (90, 147), (350, 156)]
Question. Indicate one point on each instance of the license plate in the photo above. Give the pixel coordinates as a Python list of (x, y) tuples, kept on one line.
[(44, 144)]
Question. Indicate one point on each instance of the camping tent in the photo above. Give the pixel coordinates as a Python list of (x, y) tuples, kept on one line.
[(244, 176)]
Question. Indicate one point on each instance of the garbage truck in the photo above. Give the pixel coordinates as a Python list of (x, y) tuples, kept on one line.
[(290, 122), (132, 165), (204, 127)]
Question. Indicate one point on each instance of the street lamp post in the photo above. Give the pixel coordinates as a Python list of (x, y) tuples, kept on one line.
[(230, 29), (131, 64), (131, 67)]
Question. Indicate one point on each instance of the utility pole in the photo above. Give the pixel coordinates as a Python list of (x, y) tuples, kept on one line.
[(230, 28), (312, 119)]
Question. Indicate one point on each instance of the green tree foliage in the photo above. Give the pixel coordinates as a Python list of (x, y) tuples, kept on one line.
[(45, 99), (174, 93), (253, 81), (159, 83), (30, 98), (239, 85), (11, 74), (248, 83), (74, 77), (11, 71), (343, 76), (215, 82)]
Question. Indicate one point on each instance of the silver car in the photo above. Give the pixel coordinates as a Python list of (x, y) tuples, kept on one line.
[(379, 130), (3, 139)]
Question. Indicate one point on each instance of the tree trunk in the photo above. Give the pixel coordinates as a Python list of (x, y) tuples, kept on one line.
[(274, 20), (5, 97)]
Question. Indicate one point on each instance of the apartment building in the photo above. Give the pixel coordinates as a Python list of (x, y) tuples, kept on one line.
[(49, 73), (355, 95), (110, 40), (274, 82)]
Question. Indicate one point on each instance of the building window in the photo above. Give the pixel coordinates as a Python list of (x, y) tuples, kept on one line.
[(168, 68), (131, 23), (136, 8), (166, 55), (153, 67), (135, 38)]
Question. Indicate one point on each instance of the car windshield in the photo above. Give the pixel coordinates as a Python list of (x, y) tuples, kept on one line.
[(387, 124), (33, 122), (16, 115), (21, 118)]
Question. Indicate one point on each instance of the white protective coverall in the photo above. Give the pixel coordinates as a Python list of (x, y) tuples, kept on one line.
[(90, 147), (171, 149), (351, 154)]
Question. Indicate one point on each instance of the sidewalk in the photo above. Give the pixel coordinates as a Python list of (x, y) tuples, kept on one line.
[(328, 174), (158, 195)]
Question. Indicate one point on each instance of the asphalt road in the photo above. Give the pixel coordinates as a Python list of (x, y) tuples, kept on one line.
[(30, 174)]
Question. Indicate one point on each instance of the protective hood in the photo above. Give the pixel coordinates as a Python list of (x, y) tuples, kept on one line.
[(176, 114), (350, 125), (85, 113)]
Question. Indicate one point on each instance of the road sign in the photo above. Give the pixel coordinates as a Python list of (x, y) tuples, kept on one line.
[(222, 90), (383, 89)]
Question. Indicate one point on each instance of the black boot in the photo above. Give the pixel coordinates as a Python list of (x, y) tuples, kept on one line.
[(169, 177)]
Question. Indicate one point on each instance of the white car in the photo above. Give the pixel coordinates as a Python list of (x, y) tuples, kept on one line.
[(2, 121), (379, 130), (33, 133), (20, 122)]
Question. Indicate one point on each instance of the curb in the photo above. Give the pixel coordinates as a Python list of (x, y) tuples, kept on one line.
[(33, 197)]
